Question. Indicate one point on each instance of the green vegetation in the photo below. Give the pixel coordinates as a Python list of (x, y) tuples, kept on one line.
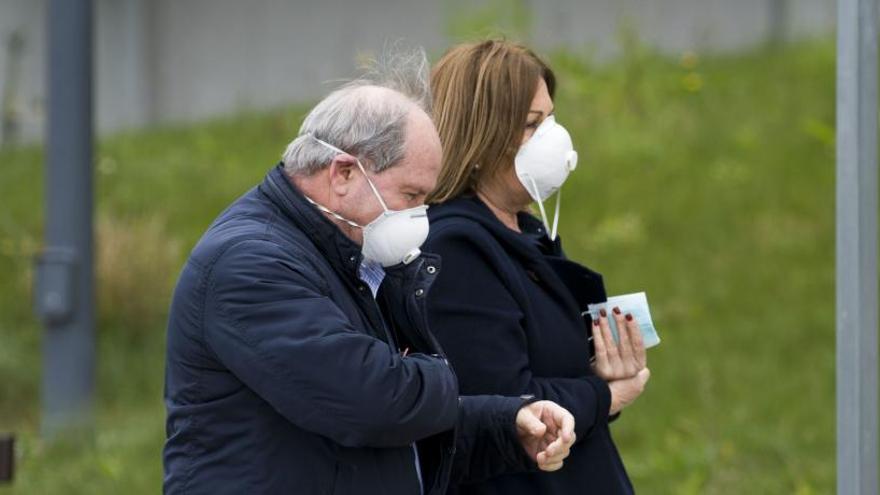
[(707, 182)]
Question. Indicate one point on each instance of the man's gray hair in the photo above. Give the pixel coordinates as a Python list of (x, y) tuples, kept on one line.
[(365, 117)]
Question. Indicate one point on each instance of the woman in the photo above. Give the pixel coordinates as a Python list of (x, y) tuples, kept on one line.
[(507, 306)]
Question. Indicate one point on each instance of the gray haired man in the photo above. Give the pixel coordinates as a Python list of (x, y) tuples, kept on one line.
[(299, 359)]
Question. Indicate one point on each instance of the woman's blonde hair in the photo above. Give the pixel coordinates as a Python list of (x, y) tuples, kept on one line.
[(482, 93)]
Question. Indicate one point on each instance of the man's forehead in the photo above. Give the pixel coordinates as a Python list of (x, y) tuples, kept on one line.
[(421, 182), (415, 174)]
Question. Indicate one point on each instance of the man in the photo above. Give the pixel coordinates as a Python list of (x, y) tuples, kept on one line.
[(299, 358)]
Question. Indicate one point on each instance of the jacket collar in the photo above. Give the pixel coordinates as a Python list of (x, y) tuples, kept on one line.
[(519, 244), (575, 284), (342, 253)]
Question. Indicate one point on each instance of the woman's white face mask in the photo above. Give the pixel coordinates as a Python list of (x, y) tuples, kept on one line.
[(543, 164), (393, 237)]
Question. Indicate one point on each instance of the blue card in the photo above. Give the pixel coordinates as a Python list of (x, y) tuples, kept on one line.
[(635, 304)]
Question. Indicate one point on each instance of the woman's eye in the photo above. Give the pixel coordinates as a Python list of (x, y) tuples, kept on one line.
[(531, 125)]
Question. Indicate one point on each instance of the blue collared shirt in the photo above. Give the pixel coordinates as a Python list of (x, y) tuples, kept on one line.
[(372, 274)]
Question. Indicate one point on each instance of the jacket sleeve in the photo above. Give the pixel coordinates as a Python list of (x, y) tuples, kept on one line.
[(486, 440), (478, 322), (271, 326)]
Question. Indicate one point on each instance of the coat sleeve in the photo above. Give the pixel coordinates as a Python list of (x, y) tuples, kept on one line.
[(479, 324), (271, 326), (487, 444)]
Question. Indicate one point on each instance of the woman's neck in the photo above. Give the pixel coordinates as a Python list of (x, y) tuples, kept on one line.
[(506, 211)]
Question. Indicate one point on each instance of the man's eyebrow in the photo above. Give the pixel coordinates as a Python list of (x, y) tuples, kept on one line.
[(415, 189), (539, 112)]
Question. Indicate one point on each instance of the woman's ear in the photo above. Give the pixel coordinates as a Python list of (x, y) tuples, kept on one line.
[(342, 172)]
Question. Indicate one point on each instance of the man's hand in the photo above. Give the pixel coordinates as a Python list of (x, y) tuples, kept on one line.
[(546, 431)]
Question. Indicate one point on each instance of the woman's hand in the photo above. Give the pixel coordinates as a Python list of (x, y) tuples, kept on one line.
[(625, 391), (613, 361)]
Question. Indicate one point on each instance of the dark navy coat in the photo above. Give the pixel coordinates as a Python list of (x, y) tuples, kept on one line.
[(284, 375), (507, 310)]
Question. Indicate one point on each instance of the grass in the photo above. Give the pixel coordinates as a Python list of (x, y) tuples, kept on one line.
[(708, 182)]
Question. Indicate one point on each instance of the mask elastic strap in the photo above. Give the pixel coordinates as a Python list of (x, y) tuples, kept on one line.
[(556, 215), (363, 171), (333, 213), (550, 231), (372, 186), (540, 203)]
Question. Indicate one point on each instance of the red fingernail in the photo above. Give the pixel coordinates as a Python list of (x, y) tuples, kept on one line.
[(603, 313), (629, 317), (616, 310), (596, 323)]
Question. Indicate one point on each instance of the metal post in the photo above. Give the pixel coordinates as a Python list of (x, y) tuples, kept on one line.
[(777, 21), (65, 287), (857, 247)]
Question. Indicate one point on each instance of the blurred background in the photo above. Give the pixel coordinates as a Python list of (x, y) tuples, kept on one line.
[(706, 131)]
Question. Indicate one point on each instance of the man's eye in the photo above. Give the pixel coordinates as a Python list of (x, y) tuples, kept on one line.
[(410, 196)]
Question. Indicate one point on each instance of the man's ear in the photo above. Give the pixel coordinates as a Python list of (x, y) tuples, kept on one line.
[(342, 171)]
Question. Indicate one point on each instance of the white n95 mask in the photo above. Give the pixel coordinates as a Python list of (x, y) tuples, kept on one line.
[(543, 163), (393, 237)]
